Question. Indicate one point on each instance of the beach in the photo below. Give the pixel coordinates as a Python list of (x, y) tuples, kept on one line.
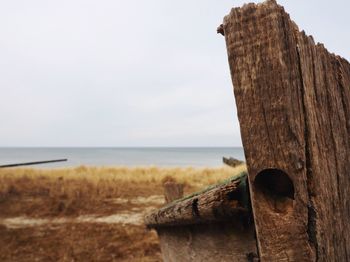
[(89, 213)]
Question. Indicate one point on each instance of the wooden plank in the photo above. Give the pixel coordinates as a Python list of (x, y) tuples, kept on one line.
[(228, 241), (327, 101), (219, 203), (293, 103)]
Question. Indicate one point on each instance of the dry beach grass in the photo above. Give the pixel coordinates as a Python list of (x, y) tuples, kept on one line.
[(88, 213)]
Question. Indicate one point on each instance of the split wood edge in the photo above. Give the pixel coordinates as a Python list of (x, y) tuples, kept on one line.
[(223, 202)]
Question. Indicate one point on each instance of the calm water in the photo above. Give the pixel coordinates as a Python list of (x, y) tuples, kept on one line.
[(182, 157)]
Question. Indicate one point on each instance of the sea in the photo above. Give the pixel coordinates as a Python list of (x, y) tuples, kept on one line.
[(117, 156)]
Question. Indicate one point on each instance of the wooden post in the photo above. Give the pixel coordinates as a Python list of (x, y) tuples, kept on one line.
[(173, 191), (293, 102)]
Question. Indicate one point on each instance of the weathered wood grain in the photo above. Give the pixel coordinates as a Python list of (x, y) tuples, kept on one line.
[(228, 241), (326, 88), (293, 103), (173, 191), (223, 202)]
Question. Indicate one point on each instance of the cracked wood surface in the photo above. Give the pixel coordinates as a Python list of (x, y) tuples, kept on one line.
[(228, 241), (293, 103), (220, 203)]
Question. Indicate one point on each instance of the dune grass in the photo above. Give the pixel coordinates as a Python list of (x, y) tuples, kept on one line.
[(106, 181), (72, 192), (201, 176)]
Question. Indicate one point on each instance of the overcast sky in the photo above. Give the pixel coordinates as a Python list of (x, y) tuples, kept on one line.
[(129, 73)]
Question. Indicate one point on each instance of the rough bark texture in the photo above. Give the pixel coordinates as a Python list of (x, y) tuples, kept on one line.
[(293, 102), (230, 241), (212, 225), (220, 203)]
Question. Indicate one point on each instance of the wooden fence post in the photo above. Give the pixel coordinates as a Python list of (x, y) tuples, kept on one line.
[(293, 102), (173, 191)]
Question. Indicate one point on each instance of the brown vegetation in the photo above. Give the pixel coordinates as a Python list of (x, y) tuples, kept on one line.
[(72, 214)]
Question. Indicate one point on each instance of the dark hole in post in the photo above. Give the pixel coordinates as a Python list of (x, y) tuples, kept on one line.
[(275, 182)]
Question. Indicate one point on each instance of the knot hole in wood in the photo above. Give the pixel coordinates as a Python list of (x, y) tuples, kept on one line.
[(277, 188)]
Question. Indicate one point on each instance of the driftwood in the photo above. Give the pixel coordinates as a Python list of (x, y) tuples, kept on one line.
[(293, 103), (230, 161), (219, 203), (212, 225)]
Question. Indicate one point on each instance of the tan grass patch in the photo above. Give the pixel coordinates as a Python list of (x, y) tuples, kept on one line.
[(88, 213)]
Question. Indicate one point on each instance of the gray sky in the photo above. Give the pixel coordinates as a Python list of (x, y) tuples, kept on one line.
[(129, 73)]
